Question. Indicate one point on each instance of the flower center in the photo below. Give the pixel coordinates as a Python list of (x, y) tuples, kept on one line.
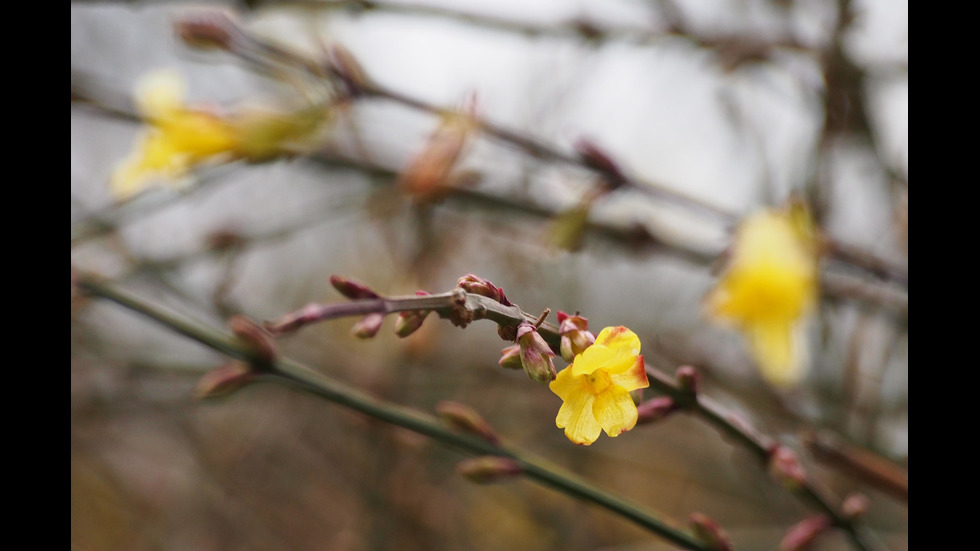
[(597, 381)]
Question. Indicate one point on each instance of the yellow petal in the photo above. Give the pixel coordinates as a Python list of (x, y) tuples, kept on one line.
[(633, 378), (615, 411), (615, 350), (778, 349), (160, 94), (576, 417), (565, 384)]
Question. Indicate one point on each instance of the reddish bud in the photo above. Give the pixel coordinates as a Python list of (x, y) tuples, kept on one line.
[(708, 531), (575, 335), (466, 419), (409, 322), (655, 409), (207, 29), (804, 533), (688, 379), (352, 289), (262, 346), (224, 380), (855, 505), (368, 327), (489, 469), (785, 467), (510, 357), (475, 284), (535, 354)]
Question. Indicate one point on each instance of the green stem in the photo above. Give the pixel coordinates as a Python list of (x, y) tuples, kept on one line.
[(290, 372)]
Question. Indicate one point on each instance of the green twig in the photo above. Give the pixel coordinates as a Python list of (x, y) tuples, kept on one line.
[(290, 372)]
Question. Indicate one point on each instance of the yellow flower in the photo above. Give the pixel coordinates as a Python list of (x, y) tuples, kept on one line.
[(768, 289), (596, 387), (176, 139)]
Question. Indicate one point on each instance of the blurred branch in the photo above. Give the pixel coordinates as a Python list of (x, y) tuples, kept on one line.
[(860, 463), (292, 373), (265, 54), (634, 236)]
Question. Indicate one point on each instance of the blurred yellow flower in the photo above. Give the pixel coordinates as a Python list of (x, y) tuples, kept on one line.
[(176, 139), (769, 287), (596, 387)]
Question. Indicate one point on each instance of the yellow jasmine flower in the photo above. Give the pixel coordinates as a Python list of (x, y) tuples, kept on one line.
[(769, 287), (176, 139), (596, 387)]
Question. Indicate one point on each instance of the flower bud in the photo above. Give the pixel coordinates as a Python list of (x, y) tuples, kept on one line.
[(224, 380), (262, 346), (368, 327), (475, 284), (466, 419), (510, 357), (855, 504), (407, 323), (535, 354), (655, 409), (575, 335), (802, 534), (708, 531), (489, 468), (688, 379), (785, 467), (207, 29), (352, 289)]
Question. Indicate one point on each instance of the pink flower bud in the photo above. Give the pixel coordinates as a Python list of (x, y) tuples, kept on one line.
[(368, 327), (489, 468), (224, 380), (804, 533), (575, 335), (688, 379), (475, 284), (535, 354), (655, 409), (510, 357), (708, 531), (785, 467), (466, 419), (351, 289), (262, 346)]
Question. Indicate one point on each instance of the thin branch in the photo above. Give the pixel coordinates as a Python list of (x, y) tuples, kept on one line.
[(263, 53), (728, 423), (292, 373), (860, 463), (636, 236)]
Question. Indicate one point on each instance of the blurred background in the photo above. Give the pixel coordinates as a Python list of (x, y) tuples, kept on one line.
[(736, 105)]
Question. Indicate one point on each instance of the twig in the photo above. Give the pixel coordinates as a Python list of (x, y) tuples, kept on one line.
[(255, 50), (728, 423), (292, 373), (860, 463)]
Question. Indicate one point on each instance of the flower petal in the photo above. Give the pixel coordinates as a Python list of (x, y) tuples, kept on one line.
[(576, 417), (615, 411), (565, 384), (592, 358), (160, 94), (779, 351), (633, 378), (625, 346)]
